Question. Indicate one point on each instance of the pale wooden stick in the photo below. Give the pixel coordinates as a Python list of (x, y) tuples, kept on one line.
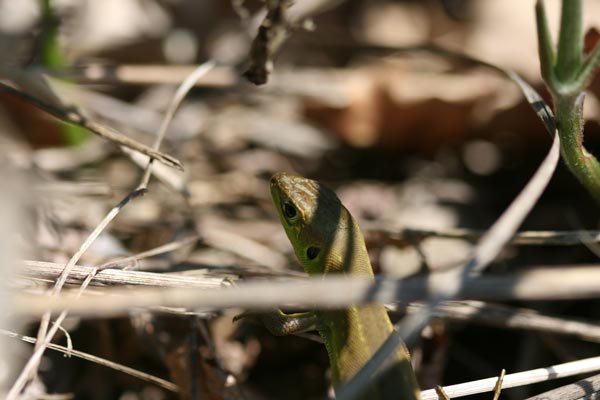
[(518, 379), (471, 311), (329, 292)]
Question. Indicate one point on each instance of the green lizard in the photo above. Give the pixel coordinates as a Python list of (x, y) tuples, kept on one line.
[(327, 240)]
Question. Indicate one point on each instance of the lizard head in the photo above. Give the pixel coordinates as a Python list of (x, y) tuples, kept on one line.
[(312, 216)]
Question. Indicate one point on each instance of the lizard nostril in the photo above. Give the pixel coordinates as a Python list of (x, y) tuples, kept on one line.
[(312, 252)]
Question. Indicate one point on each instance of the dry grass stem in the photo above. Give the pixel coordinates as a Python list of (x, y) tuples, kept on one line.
[(498, 386), (441, 394), (78, 274), (45, 336), (172, 178), (181, 92), (98, 360)]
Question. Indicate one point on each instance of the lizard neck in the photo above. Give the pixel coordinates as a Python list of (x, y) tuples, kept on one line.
[(347, 253)]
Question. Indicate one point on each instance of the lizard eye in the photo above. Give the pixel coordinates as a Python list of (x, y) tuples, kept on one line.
[(289, 210), (312, 252)]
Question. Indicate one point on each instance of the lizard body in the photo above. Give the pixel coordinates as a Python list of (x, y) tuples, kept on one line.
[(327, 240)]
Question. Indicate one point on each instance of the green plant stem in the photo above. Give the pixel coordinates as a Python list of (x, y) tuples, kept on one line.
[(52, 57), (589, 67), (570, 41), (569, 114), (546, 52), (567, 75)]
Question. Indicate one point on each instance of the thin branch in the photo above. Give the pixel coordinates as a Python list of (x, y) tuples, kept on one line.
[(75, 117), (82, 249), (506, 226), (181, 92), (69, 341), (272, 33), (171, 178), (100, 361)]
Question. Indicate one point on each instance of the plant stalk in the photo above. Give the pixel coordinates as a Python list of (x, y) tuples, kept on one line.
[(567, 75), (570, 41), (569, 115)]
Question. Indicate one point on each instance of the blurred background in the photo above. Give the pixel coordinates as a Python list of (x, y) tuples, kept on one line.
[(408, 139)]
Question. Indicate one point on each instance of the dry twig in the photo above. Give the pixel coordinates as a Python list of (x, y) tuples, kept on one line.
[(498, 386), (78, 274), (45, 335), (99, 360), (441, 394), (182, 90), (75, 117), (273, 31)]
